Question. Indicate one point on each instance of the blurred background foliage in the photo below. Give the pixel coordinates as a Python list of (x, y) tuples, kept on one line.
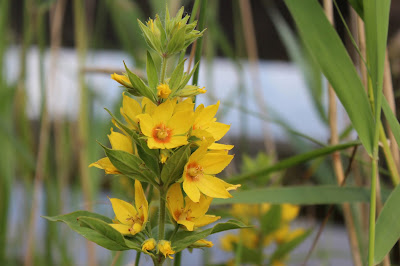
[(44, 157)]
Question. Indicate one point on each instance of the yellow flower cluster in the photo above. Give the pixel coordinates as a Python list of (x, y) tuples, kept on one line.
[(165, 127), (252, 238)]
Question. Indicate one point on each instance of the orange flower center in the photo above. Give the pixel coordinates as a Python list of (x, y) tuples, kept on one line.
[(194, 171), (162, 133)]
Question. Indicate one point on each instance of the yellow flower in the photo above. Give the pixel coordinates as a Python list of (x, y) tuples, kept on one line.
[(281, 234), (122, 79), (149, 244), (118, 142), (131, 220), (164, 247), (186, 212), (163, 91), (227, 242), (131, 109), (289, 212), (204, 120), (202, 243), (198, 175), (277, 263), (294, 234), (165, 129), (249, 238)]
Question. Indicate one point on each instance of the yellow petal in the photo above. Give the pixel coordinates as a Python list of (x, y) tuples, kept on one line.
[(198, 154), (120, 142), (206, 115), (122, 228), (219, 146), (175, 200), (130, 108), (141, 203), (149, 244), (289, 212), (214, 163), (176, 141), (146, 124), (105, 163), (198, 209), (181, 122), (148, 106), (165, 248), (186, 105), (212, 187), (123, 210), (218, 130), (191, 190), (154, 144), (205, 220), (188, 224), (163, 112)]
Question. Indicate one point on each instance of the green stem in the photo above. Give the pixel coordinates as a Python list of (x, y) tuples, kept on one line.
[(163, 69), (372, 211), (394, 174), (178, 259), (137, 258), (161, 220)]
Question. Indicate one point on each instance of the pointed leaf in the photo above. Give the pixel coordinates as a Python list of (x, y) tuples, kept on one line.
[(152, 76), (138, 84), (71, 220), (329, 52), (271, 220), (176, 77), (299, 195), (173, 167)]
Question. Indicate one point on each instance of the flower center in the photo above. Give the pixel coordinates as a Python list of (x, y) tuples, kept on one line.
[(194, 171), (162, 133)]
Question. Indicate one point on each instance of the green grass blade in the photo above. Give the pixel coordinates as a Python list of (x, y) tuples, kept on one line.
[(329, 52), (376, 19), (392, 120), (284, 164), (387, 230), (300, 195)]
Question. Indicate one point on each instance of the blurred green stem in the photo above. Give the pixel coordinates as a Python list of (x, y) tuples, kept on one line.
[(394, 174), (161, 221), (163, 69), (372, 211), (178, 259)]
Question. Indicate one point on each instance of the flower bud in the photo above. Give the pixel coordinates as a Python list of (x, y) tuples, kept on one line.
[(202, 243), (163, 91), (165, 248), (149, 245)]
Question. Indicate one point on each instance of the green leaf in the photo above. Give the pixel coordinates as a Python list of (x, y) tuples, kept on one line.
[(173, 167), (177, 41), (138, 84), (286, 248), (103, 228), (358, 7), (300, 195), (130, 165), (186, 238), (387, 231), (271, 220), (71, 220), (392, 120), (152, 76), (176, 77), (329, 52), (376, 19), (284, 164), (149, 156)]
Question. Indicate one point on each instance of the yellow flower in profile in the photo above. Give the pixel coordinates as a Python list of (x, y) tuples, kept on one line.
[(165, 129), (149, 244), (289, 212), (131, 220), (202, 243), (118, 142), (165, 248), (281, 234), (198, 175), (204, 120), (163, 91), (131, 109), (122, 79), (186, 212)]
